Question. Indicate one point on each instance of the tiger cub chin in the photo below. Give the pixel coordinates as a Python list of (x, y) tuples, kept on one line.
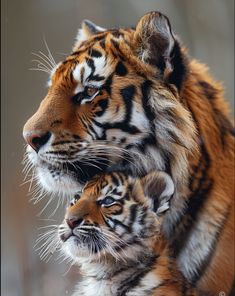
[(113, 231)]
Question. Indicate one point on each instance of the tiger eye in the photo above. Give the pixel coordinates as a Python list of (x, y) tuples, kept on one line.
[(91, 91)]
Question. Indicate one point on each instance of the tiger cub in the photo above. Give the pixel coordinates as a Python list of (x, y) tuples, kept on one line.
[(113, 231)]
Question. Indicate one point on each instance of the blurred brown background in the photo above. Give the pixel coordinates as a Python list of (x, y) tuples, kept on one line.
[(206, 27)]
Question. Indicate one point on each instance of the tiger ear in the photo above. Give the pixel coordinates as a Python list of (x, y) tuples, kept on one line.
[(156, 44), (159, 188), (88, 29)]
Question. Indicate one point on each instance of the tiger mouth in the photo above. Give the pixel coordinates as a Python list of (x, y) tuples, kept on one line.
[(80, 171), (84, 172), (89, 241)]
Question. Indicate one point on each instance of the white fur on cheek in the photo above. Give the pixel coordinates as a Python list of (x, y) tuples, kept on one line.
[(62, 183)]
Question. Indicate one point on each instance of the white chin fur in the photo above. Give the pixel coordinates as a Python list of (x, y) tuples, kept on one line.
[(75, 252), (60, 184)]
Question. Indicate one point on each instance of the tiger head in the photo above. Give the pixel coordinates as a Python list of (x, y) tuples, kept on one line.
[(113, 101), (114, 215)]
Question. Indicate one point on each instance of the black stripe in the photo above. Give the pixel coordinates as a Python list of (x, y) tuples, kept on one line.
[(119, 223), (99, 38), (120, 69), (96, 77), (142, 215), (114, 179), (115, 44), (116, 33), (61, 152), (149, 113), (200, 271), (95, 53), (122, 126), (222, 122), (76, 137), (145, 88), (115, 192), (127, 94), (91, 129), (63, 142), (147, 141), (102, 43), (179, 63), (195, 202), (128, 284), (108, 84), (133, 212), (90, 63), (103, 104), (119, 53), (82, 74), (209, 91), (86, 126)]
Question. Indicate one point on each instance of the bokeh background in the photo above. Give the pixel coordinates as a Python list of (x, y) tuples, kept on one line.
[(205, 27)]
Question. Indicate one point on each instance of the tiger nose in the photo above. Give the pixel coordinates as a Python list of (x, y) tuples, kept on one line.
[(72, 223), (36, 139)]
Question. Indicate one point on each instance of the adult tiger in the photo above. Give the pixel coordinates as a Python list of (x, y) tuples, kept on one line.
[(132, 97)]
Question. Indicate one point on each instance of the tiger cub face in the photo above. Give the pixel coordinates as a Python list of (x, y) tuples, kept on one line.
[(115, 216)]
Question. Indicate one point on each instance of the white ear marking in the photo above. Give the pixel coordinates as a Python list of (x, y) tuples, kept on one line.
[(93, 28), (81, 36), (88, 29), (170, 188), (163, 208)]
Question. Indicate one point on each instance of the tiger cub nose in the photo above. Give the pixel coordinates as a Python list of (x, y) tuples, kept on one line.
[(36, 139), (72, 223)]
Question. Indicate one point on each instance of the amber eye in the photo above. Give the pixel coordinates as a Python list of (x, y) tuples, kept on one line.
[(91, 91), (85, 96)]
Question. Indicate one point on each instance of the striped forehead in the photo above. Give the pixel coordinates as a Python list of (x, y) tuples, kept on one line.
[(92, 71), (113, 185), (85, 70)]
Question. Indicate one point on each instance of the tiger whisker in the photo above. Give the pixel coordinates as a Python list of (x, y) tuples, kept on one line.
[(52, 63), (46, 66), (38, 69), (49, 52)]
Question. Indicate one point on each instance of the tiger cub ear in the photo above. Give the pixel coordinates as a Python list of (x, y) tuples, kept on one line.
[(156, 44), (88, 29), (159, 188)]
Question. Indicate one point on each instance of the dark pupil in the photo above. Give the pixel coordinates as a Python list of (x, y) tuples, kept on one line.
[(108, 200)]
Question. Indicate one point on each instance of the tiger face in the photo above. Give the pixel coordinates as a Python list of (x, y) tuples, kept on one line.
[(113, 101), (115, 215)]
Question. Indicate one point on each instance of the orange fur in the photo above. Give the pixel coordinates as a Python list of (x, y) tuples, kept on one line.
[(206, 141)]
